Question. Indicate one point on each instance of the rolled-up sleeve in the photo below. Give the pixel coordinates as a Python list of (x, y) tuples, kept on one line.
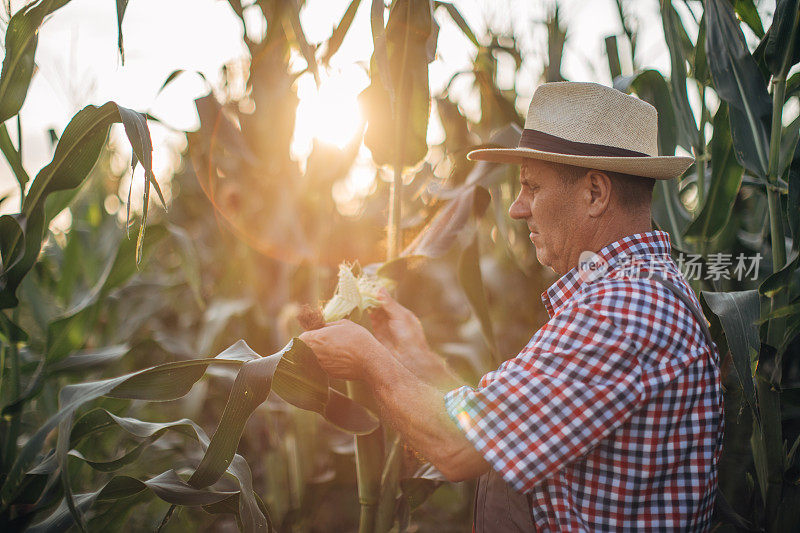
[(577, 380)]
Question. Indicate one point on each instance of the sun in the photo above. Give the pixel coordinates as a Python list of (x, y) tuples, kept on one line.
[(330, 112)]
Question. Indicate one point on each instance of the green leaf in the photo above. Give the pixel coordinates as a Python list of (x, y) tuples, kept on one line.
[(455, 14), (784, 280), (162, 382), (20, 50), (780, 312), (61, 518), (556, 38), (397, 113), (746, 9), (168, 486), (419, 487), (190, 264), (300, 38), (497, 108), (726, 178), (789, 138), (673, 30), (380, 52), (75, 155), (250, 390), (651, 87), (793, 198), (12, 246), (442, 231), (10, 332), (300, 380), (339, 33), (251, 512), (121, 6), (139, 136), (612, 53), (13, 158), (792, 86), (739, 82), (738, 313), (348, 415), (70, 330), (471, 281), (88, 359), (700, 71), (782, 46)]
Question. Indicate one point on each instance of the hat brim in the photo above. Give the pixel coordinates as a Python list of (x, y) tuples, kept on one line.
[(656, 167)]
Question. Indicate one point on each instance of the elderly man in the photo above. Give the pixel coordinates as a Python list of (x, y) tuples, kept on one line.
[(610, 418)]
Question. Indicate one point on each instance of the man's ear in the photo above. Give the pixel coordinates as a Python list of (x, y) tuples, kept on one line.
[(599, 189)]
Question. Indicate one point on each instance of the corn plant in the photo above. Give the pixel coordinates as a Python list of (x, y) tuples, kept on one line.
[(745, 184), (254, 237)]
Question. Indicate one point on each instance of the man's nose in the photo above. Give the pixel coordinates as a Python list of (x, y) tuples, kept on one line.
[(518, 209)]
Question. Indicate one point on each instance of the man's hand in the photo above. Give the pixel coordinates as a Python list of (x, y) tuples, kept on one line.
[(401, 332), (397, 327), (413, 407), (343, 348)]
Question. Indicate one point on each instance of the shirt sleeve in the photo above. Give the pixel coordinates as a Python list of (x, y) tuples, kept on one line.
[(577, 380)]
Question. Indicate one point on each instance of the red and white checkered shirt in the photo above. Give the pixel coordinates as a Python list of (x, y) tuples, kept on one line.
[(610, 418)]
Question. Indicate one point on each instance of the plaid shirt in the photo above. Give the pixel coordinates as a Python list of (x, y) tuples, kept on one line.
[(610, 418)]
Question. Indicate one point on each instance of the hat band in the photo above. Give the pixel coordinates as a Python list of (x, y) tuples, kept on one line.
[(539, 140)]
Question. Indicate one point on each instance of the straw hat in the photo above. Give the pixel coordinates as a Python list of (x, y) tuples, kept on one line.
[(592, 126)]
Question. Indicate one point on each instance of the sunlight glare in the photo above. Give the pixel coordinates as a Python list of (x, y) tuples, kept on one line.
[(331, 113)]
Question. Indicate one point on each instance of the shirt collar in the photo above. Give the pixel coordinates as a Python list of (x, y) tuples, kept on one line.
[(655, 242)]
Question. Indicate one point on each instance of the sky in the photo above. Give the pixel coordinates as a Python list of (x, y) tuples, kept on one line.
[(78, 64)]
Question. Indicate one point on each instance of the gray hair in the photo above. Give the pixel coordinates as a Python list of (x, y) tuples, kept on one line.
[(631, 191)]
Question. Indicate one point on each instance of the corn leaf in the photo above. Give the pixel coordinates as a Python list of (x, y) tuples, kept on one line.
[(173, 380), (785, 281), (250, 390), (397, 109), (69, 331), (13, 157), (455, 14), (445, 227), (340, 32), (793, 198), (746, 9), (738, 312), (739, 82), (471, 280), (418, 488), (75, 155), (782, 41), (300, 38), (168, 486), (673, 30), (122, 5), (651, 87), (11, 249), (20, 49), (726, 178)]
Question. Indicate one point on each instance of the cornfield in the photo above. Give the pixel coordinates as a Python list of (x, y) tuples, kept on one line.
[(150, 372)]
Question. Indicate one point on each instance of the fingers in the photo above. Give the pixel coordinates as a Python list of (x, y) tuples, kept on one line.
[(391, 306), (380, 327)]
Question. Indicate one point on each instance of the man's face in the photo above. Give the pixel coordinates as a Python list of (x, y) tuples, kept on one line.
[(547, 206)]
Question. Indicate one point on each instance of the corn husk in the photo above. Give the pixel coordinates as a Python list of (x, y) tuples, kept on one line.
[(354, 292)]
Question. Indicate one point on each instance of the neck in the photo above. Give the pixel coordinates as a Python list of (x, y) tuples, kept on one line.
[(604, 234)]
